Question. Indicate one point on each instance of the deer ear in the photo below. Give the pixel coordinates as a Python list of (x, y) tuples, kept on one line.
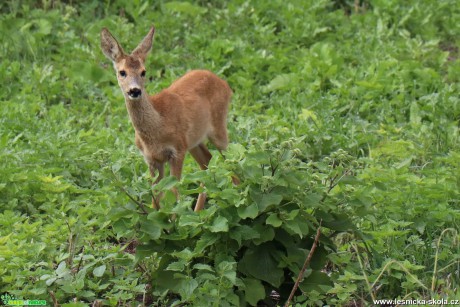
[(110, 46), (145, 46)]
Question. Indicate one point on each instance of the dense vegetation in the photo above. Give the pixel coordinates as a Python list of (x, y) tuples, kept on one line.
[(345, 117)]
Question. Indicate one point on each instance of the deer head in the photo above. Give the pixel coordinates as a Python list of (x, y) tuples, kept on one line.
[(130, 68)]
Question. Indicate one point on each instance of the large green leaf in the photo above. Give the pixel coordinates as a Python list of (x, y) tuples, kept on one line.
[(151, 229), (274, 220), (317, 281), (254, 291), (250, 211), (265, 200), (99, 271), (220, 224), (280, 82), (258, 262), (243, 232)]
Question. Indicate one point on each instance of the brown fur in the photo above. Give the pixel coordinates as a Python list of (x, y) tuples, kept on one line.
[(176, 120)]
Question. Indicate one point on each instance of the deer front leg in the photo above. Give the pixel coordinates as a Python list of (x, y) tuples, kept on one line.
[(154, 166), (176, 163)]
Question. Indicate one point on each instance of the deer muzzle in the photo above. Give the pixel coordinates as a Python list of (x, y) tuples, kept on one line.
[(134, 93)]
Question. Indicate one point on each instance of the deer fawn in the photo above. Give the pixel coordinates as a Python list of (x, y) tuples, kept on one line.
[(176, 120)]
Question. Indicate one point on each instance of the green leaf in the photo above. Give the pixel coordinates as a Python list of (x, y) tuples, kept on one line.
[(185, 254), (404, 163), (149, 228), (339, 222), (316, 281), (147, 250), (186, 287), (207, 239), (178, 266), (118, 212), (242, 233), (122, 226), (274, 220), (227, 269), (160, 219), (203, 267), (254, 291), (281, 81), (44, 26), (259, 263), (69, 287), (220, 224), (266, 233), (165, 280), (265, 201), (250, 211), (192, 220), (61, 269), (99, 271), (296, 226), (312, 199), (166, 183), (50, 281)]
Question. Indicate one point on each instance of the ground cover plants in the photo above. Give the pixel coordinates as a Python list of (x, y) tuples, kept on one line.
[(345, 117)]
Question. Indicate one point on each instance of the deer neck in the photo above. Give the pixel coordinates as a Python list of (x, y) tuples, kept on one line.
[(143, 115)]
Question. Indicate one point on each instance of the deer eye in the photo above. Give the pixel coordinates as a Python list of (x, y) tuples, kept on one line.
[(143, 74), (123, 73)]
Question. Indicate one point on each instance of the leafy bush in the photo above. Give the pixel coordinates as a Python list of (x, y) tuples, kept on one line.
[(254, 238)]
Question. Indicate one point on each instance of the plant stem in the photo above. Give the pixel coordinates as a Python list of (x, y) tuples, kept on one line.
[(433, 279), (369, 287), (302, 271)]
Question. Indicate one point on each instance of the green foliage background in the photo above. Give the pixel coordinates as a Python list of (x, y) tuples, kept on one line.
[(345, 113)]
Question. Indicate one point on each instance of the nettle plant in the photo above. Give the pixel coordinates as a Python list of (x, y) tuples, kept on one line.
[(251, 239)]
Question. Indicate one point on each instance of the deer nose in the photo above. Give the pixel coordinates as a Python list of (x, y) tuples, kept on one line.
[(134, 92)]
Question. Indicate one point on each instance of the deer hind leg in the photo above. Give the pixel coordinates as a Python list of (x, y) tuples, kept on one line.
[(201, 155), (153, 167)]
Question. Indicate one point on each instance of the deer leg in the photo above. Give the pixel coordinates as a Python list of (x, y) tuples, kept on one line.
[(176, 163), (201, 155), (153, 166)]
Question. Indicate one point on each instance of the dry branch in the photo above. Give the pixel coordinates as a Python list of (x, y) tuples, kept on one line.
[(305, 265)]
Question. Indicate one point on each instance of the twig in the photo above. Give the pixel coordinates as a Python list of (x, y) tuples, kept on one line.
[(302, 271), (145, 296), (435, 270), (69, 260), (81, 258), (53, 298), (333, 183), (96, 303), (366, 279), (139, 204)]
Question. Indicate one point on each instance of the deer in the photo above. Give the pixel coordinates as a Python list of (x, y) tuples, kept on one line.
[(178, 119)]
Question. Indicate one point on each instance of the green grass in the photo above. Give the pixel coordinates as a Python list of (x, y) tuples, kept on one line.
[(343, 116)]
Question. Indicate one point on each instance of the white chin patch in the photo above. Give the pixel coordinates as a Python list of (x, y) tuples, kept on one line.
[(134, 97)]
